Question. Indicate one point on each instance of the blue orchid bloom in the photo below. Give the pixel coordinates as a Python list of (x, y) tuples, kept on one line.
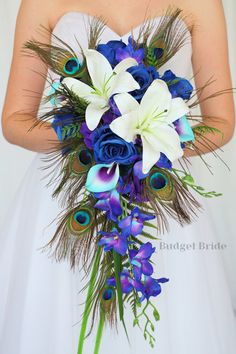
[(133, 224), (113, 240), (149, 287), (164, 162), (110, 203), (129, 51), (126, 280), (140, 260)]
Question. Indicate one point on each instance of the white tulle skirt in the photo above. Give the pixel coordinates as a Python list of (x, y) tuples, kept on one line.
[(41, 303)]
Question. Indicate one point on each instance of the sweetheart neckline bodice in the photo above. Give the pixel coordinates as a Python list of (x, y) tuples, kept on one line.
[(134, 28), (72, 28)]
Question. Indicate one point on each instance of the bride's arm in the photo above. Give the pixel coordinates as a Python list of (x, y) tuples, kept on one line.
[(210, 58), (25, 85)]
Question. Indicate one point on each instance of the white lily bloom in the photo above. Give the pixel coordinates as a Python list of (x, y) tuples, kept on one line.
[(152, 119), (105, 82)]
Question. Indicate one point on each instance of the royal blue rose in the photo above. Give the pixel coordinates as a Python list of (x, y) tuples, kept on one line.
[(109, 147), (109, 50), (178, 86), (144, 75)]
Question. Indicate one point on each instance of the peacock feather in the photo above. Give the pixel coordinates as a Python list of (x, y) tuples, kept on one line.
[(80, 161), (75, 235), (161, 184), (61, 58), (168, 196), (168, 37)]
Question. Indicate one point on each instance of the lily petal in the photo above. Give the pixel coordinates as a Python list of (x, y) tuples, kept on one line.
[(165, 139), (178, 109), (93, 115), (122, 82), (126, 103), (78, 87), (125, 64), (124, 126), (99, 68), (156, 100), (102, 178), (150, 156)]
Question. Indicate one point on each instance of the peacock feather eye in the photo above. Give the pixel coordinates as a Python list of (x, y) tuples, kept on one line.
[(108, 294), (107, 297), (80, 221), (72, 66), (160, 183), (158, 52), (81, 161)]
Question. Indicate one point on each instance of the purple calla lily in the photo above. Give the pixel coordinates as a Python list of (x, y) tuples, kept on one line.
[(102, 177), (140, 260), (133, 224), (184, 129)]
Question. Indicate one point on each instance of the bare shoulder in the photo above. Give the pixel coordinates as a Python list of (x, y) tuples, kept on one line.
[(207, 13), (34, 12)]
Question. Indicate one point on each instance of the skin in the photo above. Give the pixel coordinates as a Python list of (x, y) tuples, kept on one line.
[(210, 58)]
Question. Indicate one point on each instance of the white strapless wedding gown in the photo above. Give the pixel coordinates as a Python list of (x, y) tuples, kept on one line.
[(40, 301)]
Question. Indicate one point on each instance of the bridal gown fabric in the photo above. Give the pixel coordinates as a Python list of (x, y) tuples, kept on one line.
[(41, 302)]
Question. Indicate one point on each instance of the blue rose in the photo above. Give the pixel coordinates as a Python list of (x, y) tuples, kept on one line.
[(109, 147), (109, 50), (178, 86), (144, 75)]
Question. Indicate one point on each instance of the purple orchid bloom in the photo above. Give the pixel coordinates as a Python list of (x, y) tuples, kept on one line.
[(109, 202), (140, 260), (133, 224), (131, 183), (149, 287), (113, 109), (127, 282), (109, 115), (129, 52), (113, 240), (164, 162), (87, 135)]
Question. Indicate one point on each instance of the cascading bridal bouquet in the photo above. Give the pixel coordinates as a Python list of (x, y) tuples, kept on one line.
[(120, 126)]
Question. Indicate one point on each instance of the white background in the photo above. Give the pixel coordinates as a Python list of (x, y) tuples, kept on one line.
[(15, 160)]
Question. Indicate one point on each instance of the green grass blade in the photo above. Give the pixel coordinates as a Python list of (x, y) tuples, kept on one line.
[(87, 309), (99, 332)]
